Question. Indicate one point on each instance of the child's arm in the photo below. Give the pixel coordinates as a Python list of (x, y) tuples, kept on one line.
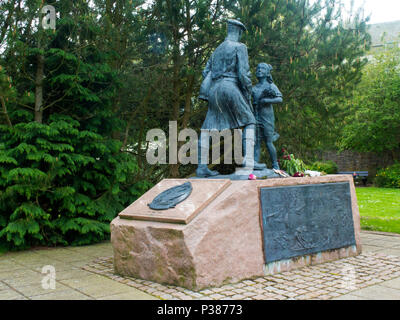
[(271, 95), (272, 100)]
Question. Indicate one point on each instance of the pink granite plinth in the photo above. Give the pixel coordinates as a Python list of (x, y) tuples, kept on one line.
[(216, 239)]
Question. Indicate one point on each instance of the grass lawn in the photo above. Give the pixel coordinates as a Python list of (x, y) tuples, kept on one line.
[(379, 209)]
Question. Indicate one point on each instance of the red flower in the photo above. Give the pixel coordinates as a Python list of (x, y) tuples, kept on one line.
[(298, 175)]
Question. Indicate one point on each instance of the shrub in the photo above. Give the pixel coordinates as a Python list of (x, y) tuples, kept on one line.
[(60, 184), (329, 167), (388, 177)]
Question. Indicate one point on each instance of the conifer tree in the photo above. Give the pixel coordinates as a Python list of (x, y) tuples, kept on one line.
[(317, 56), (63, 177)]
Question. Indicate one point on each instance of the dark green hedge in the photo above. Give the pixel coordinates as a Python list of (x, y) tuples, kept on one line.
[(61, 185)]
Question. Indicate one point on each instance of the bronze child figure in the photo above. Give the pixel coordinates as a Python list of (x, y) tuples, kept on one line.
[(265, 93)]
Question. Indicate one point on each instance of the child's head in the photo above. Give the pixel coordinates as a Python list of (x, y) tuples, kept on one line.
[(264, 71)]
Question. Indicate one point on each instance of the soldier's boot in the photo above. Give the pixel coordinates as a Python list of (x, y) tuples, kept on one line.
[(248, 144), (202, 171)]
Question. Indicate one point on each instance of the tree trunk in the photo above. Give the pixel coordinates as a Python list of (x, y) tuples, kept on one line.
[(176, 96), (188, 101), (39, 89), (3, 105)]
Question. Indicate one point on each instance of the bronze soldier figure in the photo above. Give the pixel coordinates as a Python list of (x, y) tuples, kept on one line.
[(227, 87)]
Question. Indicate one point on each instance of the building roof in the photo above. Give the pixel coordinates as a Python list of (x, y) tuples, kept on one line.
[(390, 30)]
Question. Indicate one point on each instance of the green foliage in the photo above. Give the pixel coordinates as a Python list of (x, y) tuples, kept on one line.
[(293, 166), (60, 184), (329, 167), (373, 124), (317, 56), (388, 177), (64, 173)]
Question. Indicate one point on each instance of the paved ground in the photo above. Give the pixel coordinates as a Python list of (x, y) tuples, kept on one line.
[(21, 276), (85, 273)]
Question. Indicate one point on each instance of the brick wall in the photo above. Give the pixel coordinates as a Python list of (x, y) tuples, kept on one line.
[(358, 161)]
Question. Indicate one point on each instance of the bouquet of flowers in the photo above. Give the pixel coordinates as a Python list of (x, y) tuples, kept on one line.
[(268, 93), (294, 167)]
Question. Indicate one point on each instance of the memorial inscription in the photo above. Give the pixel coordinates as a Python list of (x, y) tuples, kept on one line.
[(306, 219)]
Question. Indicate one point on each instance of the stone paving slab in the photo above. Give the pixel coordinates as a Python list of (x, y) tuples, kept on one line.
[(394, 284), (10, 295), (379, 292), (86, 273), (62, 295), (21, 275)]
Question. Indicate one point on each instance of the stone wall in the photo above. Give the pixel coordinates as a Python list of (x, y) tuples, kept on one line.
[(358, 161)]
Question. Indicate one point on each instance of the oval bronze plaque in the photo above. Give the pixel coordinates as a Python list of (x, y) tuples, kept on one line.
[(171, 197)]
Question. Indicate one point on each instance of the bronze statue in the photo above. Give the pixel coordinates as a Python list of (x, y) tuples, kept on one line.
[(227, 87), (265, 94)]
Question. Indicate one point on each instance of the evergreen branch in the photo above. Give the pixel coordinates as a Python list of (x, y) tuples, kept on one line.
[(56, 101), (23, 105), (7, 22)]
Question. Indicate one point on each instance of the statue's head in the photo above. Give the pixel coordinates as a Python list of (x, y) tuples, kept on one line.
[(264, 71), (235, 29)]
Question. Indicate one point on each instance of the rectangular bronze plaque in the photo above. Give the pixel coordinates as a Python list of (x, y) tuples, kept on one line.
[(306, 219)]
